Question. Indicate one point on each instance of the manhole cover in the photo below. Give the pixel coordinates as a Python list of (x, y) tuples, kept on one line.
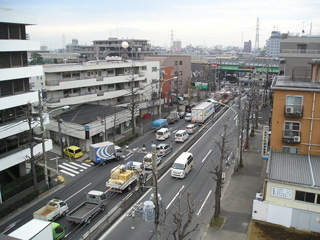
[(245, 224)]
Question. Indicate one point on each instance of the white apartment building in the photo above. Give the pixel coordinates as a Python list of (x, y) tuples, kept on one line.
[(273, 44), (15, 93), (97, 85)]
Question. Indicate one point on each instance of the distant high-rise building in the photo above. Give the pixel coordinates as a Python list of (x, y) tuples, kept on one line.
[(176, 46), (73, 47), (247, 46), (273, 44)]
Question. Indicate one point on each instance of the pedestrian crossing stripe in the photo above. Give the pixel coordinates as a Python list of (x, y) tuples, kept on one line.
[(78, 165), (69, 165), (70, 174), (70, 170)]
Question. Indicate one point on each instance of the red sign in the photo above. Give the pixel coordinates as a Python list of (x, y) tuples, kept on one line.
[(214, 65)]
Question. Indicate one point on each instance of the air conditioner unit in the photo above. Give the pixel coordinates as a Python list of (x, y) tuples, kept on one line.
[(289, 109), (296, 138)]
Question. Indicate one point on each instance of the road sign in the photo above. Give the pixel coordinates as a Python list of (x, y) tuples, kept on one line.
[(214, 65)]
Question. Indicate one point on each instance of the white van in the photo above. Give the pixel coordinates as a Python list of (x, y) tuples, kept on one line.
[(181, 136), (182, 165), (163, 134)]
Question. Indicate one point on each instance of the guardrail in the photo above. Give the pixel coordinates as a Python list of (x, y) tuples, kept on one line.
[(106, 221)]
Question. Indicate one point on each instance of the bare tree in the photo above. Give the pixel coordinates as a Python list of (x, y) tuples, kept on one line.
[(31, 144), (154, 99), (216, 173), (133, 106), (180, 226), (257, 101)]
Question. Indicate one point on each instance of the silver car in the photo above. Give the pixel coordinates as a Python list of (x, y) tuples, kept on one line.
[(191, 128), (188, 117), (163, 149)]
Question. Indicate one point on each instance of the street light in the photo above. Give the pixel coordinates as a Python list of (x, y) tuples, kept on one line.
[(160, 90), (237, 124), (43, 145)]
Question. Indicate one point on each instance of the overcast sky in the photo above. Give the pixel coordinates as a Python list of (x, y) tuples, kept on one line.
[(199, 23)]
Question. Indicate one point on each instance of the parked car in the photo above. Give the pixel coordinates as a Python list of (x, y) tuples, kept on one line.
[(73, 151), (191, 128), (188, 117), (163, 149), (182, 114)]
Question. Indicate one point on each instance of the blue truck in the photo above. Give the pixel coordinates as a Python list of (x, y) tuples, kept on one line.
[(104, 151), (160, 123)]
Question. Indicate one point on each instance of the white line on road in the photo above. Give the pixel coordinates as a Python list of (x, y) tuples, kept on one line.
[(78, 191), (175, 197), (70, 174), (78, 165), (207, 155), (68, 165), (204, 202), (87, 165), (64, 167), (175, 131)]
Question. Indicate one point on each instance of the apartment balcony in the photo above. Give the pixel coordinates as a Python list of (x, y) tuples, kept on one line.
[(292, 139), (300, 51), (293, 111)]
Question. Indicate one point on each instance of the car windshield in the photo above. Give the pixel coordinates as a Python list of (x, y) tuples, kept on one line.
[(77, 151), (178, 166), (160, 133), (179, 135)]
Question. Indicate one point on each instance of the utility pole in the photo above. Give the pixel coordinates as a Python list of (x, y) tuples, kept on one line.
[(60, 135), (44, 155), (155, 188)]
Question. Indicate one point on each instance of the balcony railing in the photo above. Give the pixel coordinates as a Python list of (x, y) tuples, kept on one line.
[(300, 51), (293, 111), (286, 138)]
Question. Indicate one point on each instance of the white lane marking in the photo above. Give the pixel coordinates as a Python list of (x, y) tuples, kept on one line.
[(207, 155), (235, 117), (175, 197), (204, 202), (175, 131), (81, 170), (64, 167), (78, 165), (78, 191), (87, 165), (72, 175), (68, 165)]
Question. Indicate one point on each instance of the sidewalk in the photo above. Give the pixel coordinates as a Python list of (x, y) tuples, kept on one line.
[(237, 200)]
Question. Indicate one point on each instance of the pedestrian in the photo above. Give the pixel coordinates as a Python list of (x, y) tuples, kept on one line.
[(49, 181)]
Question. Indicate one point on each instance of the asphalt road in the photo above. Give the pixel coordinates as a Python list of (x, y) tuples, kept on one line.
[(198, 181)]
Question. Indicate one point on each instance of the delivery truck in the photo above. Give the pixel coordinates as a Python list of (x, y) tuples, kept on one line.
[(95, 202), (104, 151), (123, 177), (202, 112), (54, 209), (39, 230), (160, 123), (173, 117)]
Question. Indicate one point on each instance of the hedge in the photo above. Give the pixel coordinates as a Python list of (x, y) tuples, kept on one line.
[(12, 207), (128, 139), (20, 184)]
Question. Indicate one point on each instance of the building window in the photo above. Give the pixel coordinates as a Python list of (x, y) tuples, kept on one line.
[(286, 149), (76, 90), (302, 48), (295, 102), (318, 198), (66, 75), (67, 92), (175, 63), (110, 71), (305, 196), (154, 69), (180, 62), (291, 129), (144, 68), (14, 86), (75, 75), (180, 73)]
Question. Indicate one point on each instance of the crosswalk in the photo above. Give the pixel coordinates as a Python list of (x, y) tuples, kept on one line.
[(72, 168)]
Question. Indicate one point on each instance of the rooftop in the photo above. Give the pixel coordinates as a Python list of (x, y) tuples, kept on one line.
[(88, 113), (300, 84), (294, 168)]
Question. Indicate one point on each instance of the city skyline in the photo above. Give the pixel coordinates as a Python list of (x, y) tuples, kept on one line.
[(205, 23)]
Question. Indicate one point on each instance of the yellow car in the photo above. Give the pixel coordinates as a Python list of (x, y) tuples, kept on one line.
[(73, 151)]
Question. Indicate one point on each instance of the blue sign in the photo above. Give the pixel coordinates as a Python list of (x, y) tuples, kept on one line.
[(87, 127)]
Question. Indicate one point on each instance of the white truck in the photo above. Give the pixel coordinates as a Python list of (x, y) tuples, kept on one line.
[(201, 112), (39, 230), (95, 202), (123, 177), (54, 209), (104, 151)]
